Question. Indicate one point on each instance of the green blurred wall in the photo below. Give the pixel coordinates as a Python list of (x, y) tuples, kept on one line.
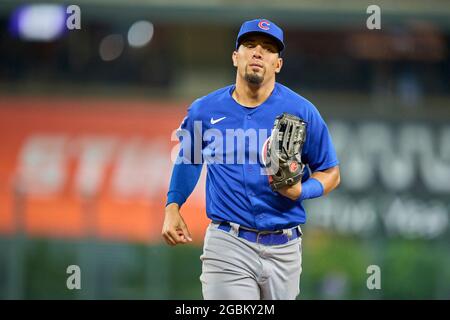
[(334, 267)]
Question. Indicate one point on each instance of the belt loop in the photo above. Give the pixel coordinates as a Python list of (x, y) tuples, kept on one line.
[(288, 233), (215, 224), (234, 228), (300, 230)]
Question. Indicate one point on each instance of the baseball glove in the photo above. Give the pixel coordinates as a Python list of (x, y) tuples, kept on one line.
[(282, 151)]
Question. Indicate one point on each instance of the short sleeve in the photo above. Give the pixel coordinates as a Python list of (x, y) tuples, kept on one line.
[(318, 151)]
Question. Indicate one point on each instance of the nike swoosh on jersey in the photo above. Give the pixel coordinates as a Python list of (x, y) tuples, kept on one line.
[(216, 120)]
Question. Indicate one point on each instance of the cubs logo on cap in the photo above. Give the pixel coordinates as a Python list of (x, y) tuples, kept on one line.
[(263, 26)]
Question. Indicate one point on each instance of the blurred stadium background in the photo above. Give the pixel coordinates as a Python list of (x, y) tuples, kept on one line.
[(86, 118)]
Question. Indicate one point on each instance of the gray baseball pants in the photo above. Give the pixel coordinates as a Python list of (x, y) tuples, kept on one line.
[(237, 269)]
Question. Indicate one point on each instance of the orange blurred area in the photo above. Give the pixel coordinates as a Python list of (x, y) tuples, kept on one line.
[(71, 170), (56, 217), (127, 221), (195, 217), (6, 209)]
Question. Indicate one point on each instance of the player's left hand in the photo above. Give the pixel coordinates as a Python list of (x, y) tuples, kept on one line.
[(282, 154), (292, 192)]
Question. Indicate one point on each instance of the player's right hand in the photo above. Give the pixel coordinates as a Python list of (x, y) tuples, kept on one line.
[(174, 229)]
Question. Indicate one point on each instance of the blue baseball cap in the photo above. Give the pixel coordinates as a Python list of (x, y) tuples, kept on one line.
[(263, 26)]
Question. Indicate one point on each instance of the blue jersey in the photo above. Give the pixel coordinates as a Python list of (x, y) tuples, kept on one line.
[(231, 142)]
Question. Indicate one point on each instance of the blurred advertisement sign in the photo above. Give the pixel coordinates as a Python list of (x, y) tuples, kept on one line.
[(82, 172), (395, 180)]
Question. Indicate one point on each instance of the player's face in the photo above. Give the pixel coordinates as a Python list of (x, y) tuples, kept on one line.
[(257, 59)]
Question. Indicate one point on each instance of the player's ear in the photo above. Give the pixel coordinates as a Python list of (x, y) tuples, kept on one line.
[(234, 58), (279, 65)]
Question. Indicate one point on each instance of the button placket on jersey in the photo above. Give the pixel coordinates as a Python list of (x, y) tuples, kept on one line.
[(248, 169)]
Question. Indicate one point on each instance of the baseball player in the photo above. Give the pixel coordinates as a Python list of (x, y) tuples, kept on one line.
[(252, 247)]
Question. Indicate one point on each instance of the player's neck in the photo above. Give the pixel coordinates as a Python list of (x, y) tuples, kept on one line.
[(250, 95)]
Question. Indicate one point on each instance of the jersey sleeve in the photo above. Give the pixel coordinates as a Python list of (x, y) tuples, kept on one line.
[(182, 183), (188, 166), (189, 134), (318, 151)]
